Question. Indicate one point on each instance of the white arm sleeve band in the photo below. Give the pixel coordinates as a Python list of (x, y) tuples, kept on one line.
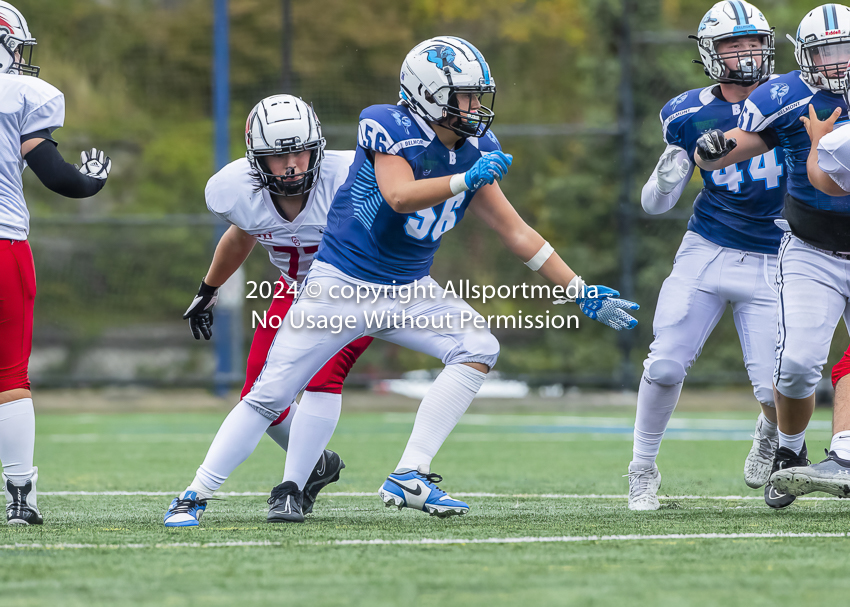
[(458, 183), (655, 202), (545, 252)]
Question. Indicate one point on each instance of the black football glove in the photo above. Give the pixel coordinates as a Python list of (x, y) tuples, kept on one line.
[(200, 314), (713, 145)]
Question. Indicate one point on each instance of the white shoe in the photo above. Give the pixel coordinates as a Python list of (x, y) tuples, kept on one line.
[(759, 460), (644, 482)]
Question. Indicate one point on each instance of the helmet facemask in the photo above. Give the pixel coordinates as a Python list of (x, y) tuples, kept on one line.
[(825, 64), (289, 183), (20, 53), (754, 65), (467, 121)]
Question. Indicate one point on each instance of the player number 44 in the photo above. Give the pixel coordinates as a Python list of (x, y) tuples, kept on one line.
[(762, 168)]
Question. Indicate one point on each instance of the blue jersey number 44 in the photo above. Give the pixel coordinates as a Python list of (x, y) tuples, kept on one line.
[(762, 168)]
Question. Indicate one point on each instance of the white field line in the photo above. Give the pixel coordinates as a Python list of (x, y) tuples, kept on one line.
[(681, 423), (432, 542), (554, 496)]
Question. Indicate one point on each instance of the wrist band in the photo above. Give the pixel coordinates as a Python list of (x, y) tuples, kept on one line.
[(458, 183), (545, 252), (207, 290), (575, 288)]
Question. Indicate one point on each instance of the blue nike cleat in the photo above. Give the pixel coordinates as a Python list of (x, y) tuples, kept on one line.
[(185, 510), (418, 490)]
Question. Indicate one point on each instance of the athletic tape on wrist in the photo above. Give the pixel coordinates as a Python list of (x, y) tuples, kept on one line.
[(576, 287), (458, 183), (545, 252)]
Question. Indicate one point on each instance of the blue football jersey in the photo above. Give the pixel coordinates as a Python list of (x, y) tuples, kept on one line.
[(365, 237), (737, 205), (775, 108)]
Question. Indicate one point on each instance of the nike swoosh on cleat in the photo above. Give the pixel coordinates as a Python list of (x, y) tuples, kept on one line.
[(774, 494), (406, 488), (321, 470)]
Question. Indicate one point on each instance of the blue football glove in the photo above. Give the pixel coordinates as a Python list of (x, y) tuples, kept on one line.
[(607, 308), (487, 169)]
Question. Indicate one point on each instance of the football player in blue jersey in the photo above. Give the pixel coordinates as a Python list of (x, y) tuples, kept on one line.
[(418, 167), (814, 256), (828, 168), (728, 255)]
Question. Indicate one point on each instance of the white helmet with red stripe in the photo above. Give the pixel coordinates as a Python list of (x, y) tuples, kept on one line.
[(822, 46), (16, 42)]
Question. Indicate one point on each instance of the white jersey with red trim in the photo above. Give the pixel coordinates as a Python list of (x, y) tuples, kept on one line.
[(233, 195), (27, 105)]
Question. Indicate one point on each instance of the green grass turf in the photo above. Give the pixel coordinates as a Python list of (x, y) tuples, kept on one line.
[(145, 452)]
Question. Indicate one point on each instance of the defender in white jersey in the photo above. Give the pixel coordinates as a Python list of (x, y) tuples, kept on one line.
[(279, 196), (30, 110)]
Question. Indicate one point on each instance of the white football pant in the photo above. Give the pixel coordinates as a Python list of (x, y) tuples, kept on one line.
[(814, 288)]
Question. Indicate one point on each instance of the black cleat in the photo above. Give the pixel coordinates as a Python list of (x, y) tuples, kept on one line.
[(832, 475), (784, 458), (326, 472), (285, 504), (21, 507)]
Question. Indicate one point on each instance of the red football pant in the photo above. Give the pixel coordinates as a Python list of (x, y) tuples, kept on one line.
[(17, 298), (329, 378), (841, 368)]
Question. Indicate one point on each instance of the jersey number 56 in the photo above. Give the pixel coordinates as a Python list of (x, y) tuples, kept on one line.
[(424, 223)]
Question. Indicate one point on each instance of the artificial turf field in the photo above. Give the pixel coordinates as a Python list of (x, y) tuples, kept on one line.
[(537, 476)]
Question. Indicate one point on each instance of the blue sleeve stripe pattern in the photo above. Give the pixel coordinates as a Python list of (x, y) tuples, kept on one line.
[(367, 195), (478, 56), (740, 13), (830, 17)]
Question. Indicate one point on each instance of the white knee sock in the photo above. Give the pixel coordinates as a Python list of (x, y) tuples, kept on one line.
[(279, 433), (312, 428), (17, 439), (237, 438), (655, 405), (792, 441), (446, 401)]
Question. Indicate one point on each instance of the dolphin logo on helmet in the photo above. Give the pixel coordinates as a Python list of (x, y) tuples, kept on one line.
[(442, 56)]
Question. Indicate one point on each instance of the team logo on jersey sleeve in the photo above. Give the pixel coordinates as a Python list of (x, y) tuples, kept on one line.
[(778, 91), (402, 121), (442, 56), (675, 103)]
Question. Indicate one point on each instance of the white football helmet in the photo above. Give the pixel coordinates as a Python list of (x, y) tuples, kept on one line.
[(822, 46), (284, 124), (16, 43), (432, 75), (727, 20)]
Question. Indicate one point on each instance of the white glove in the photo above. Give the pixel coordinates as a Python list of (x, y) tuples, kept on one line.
[(95, 164), (672, 168)]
